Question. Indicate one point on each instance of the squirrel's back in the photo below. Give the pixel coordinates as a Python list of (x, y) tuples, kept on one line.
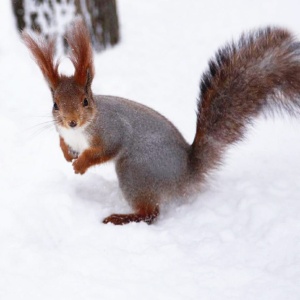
[(151, 152)]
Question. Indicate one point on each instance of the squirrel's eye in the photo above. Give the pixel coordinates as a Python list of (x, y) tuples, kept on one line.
[(85, 102), (55, 106)]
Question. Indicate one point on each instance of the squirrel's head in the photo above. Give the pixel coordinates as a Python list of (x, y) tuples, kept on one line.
[(73, 103)]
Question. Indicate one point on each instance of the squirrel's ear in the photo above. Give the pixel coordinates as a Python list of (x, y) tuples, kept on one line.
[(43, 52), (81, 53)]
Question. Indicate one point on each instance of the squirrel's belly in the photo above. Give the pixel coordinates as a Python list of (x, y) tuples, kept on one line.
[(76, 138)]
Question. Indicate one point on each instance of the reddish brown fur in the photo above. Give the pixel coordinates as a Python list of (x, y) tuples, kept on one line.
[(144, 213), (65, 149), (93, 156), (43, 53), (259, 73), (90, 157), (81, 52), (69, 97)]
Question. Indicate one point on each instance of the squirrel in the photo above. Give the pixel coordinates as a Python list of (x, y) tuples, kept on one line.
[(153, 161)]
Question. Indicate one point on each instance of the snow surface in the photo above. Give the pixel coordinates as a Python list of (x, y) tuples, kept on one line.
[(238, 239)]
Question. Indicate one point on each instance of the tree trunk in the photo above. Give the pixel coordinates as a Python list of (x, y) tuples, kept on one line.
[(53, 16), (102, 19), (18, 9)]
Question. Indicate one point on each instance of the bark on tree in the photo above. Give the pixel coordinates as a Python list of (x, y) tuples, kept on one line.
[(102, 20)]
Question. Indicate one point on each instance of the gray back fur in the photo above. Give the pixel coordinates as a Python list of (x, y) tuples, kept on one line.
[(152, 156)]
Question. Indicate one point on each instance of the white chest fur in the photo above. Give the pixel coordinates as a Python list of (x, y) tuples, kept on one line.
[(76, 138)]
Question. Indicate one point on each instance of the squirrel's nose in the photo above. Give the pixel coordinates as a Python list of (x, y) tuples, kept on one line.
[(72, 123)]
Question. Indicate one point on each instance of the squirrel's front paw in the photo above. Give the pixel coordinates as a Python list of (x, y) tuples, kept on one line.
[(79, 166), (73, 153), (68, 156)]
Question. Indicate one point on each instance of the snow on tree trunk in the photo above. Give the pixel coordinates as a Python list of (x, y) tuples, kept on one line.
[(50, 17)]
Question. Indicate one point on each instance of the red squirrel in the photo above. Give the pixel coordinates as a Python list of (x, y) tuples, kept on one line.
[(153, 161)]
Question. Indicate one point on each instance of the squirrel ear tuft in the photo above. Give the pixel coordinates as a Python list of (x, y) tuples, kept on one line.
[(89, 80), (43, 52), (81, 53)]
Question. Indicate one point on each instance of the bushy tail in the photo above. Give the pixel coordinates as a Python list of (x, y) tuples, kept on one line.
[(258, 73)]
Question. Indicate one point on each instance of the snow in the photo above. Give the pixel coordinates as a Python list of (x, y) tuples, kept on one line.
[(238, 239)]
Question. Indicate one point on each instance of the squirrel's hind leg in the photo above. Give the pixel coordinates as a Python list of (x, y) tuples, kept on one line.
[(144, 212)]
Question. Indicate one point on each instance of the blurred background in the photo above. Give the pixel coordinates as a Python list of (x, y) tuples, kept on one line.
[(49, 17)]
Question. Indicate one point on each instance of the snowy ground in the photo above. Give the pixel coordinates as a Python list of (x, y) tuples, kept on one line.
[(239, 239)]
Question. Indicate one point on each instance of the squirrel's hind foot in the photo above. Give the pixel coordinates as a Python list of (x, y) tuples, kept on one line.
[(122, 219)]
